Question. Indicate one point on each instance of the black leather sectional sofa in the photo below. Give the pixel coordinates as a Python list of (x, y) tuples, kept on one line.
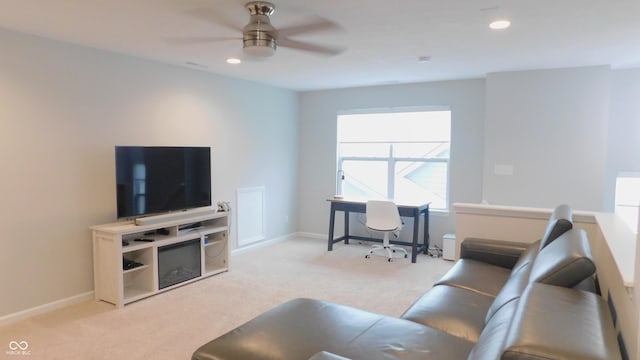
[(501, 300)]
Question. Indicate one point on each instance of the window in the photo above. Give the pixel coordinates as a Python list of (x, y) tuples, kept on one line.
[(397, 155), (628, 198)]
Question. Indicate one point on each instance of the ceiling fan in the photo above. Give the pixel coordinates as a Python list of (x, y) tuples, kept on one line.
[(260, 39)]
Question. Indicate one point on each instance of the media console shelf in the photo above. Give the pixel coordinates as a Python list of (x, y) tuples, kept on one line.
[(132, 262)]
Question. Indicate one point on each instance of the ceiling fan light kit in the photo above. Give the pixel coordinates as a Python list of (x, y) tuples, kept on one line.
[(260, 39), (259, 36)]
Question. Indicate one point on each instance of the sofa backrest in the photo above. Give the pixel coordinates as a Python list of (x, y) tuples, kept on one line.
[(560, 221), (510, 292), (549, 322), (566, 261), (528, 256)]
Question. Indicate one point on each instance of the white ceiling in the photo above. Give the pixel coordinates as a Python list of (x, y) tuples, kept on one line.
[(383, 39)]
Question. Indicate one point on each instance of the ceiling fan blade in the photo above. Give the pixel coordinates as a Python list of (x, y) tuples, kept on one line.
[(319, 25), (213, 17), (195, 40), (304, 46)]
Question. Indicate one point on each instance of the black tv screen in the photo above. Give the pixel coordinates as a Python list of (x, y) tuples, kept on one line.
[(157, 179)]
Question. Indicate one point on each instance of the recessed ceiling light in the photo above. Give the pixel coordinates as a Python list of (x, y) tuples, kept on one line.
[(500, 24), (233, 61)]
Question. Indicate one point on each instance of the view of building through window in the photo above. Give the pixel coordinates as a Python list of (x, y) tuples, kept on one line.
[(397, 155)]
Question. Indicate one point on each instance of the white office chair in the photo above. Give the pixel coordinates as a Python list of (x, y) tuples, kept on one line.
[(383, 215)]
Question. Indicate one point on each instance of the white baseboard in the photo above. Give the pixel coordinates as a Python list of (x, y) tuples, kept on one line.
[(41, 309), (261, 243), (312, 235)]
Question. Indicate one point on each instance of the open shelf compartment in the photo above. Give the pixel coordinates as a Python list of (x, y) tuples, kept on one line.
[(215, 255)]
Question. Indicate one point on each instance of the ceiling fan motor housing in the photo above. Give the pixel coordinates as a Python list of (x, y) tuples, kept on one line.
[(259, 36)]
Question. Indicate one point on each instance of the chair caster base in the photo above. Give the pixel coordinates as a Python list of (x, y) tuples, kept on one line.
[(390, 251)]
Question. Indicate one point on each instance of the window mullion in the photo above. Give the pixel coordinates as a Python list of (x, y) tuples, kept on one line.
[(391, 165)]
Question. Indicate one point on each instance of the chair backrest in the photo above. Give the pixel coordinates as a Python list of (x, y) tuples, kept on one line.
[(383, 215)]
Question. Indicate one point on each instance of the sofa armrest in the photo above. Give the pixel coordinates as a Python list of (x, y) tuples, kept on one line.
[(495, 252), (324, 355)]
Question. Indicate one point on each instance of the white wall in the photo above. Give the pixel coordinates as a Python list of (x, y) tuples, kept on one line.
[(62, 110), (318, 112), (624, 129), (551, 127)]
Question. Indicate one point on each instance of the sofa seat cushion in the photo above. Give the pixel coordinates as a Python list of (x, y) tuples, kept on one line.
[(476, 276), (453, 310), (300, 328), (553, 322), (549, 322)]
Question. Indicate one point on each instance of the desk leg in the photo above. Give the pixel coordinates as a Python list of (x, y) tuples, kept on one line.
[(332, 222), (416, 233), (346, 227), (427, 237)]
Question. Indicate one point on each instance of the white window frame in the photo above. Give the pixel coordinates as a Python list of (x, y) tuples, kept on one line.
[(390, 159)]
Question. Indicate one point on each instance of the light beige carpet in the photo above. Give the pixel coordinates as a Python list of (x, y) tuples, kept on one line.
[(173, 324)]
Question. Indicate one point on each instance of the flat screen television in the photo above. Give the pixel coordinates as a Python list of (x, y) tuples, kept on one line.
[(159, 179)]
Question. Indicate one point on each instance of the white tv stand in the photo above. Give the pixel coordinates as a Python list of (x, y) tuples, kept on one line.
[(118, 286)]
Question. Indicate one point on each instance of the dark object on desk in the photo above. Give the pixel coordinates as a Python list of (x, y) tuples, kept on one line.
[(145, 240), (125, 242), (415, 211)]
